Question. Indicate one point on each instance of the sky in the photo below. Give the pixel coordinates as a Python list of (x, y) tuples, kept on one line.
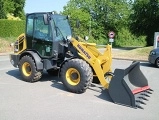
[(44, 5)]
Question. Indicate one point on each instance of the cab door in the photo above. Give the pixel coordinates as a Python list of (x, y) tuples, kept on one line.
[(41, 40), (42, 36)]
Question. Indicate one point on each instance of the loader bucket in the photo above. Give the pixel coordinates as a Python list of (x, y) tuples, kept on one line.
[(129, 86)]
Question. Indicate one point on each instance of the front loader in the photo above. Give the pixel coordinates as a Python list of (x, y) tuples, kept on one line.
[(48, 45)]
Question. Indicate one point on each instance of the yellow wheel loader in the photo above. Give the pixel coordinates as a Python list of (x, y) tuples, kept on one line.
[(48, 45)]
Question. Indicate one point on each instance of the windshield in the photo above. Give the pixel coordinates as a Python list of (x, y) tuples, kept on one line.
[(62, 26)]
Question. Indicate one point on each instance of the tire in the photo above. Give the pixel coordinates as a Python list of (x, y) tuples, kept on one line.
[(76, 75), (53, 72), (28, 70), (157, 62)]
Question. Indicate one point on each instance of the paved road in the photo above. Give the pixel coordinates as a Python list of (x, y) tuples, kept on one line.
[(48, 99)]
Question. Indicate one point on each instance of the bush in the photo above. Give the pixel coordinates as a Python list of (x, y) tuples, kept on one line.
[(125, 38), (11, 28)]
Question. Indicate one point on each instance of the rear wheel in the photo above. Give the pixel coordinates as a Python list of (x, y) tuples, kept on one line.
[(157, 62), (28, 70), (76, 75)]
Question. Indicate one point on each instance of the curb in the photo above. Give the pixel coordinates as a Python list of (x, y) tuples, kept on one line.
[(130, 59), (5, 54)]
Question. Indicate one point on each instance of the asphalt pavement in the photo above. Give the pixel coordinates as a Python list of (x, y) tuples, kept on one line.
[(49, 100)]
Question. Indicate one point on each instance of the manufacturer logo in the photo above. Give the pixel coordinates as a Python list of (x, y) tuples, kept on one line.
[(84, 52)]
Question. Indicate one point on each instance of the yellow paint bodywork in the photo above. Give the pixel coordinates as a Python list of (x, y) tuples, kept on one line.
[(20, 44), (101, 63)]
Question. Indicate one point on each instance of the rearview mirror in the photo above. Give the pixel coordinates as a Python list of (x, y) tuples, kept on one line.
[(46, 22)]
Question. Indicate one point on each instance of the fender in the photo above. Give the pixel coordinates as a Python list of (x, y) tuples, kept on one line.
[(64, 63), (37, 59)]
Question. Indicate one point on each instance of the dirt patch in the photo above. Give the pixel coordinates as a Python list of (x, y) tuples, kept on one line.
[(5, 46)]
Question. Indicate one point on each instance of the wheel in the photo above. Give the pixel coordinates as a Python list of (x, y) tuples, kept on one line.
[(157, 62), (53, 72), (76, 75), (28, 70)]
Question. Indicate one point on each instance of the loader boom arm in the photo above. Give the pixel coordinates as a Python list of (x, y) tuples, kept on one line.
[(101, 63)]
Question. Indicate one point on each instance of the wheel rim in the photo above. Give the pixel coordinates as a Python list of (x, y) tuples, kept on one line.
[(26, 68), (72, 76)]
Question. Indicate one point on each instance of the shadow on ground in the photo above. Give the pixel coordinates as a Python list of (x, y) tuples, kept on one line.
[(56, 83), (45, 77), (147, 64), (14, 73), (104, 94)]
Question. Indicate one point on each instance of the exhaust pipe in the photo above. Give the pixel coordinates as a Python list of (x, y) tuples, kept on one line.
[(129, 86)]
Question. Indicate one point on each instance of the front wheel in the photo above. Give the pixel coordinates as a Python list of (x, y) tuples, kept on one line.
[(157, 62), (28, 70), (76, 75)]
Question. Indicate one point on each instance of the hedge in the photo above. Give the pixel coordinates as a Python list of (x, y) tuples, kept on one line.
[(11, 28)]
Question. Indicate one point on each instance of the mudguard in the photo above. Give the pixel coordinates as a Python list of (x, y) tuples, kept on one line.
[(129, 86), (38, 60)]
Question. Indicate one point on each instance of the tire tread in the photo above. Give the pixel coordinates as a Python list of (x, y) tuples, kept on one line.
[(86, 75)]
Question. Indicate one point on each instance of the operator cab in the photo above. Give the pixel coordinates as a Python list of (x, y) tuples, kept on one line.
[(46, 34)]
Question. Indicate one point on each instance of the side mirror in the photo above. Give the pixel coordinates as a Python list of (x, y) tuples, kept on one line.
[(46, 20), (67, 17), (77, 23)]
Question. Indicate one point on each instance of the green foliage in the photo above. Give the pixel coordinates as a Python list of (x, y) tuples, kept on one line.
[(19, 11), (14, 7), (2, 13), (11, 28), (98, 17), (144, 18), (78, 14), (126, 39), (102, 15)]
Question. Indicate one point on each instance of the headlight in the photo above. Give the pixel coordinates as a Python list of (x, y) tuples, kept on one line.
[(152, 53), (12, 62), (16, 46)]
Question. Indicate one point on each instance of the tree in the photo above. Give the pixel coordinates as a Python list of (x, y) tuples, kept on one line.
[(2, 13), (8, 6), (144, 19), (14, 7), (75, 14), (98, 17), (19, 8)]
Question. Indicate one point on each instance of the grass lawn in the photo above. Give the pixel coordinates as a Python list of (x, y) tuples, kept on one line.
[(134, 54)]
